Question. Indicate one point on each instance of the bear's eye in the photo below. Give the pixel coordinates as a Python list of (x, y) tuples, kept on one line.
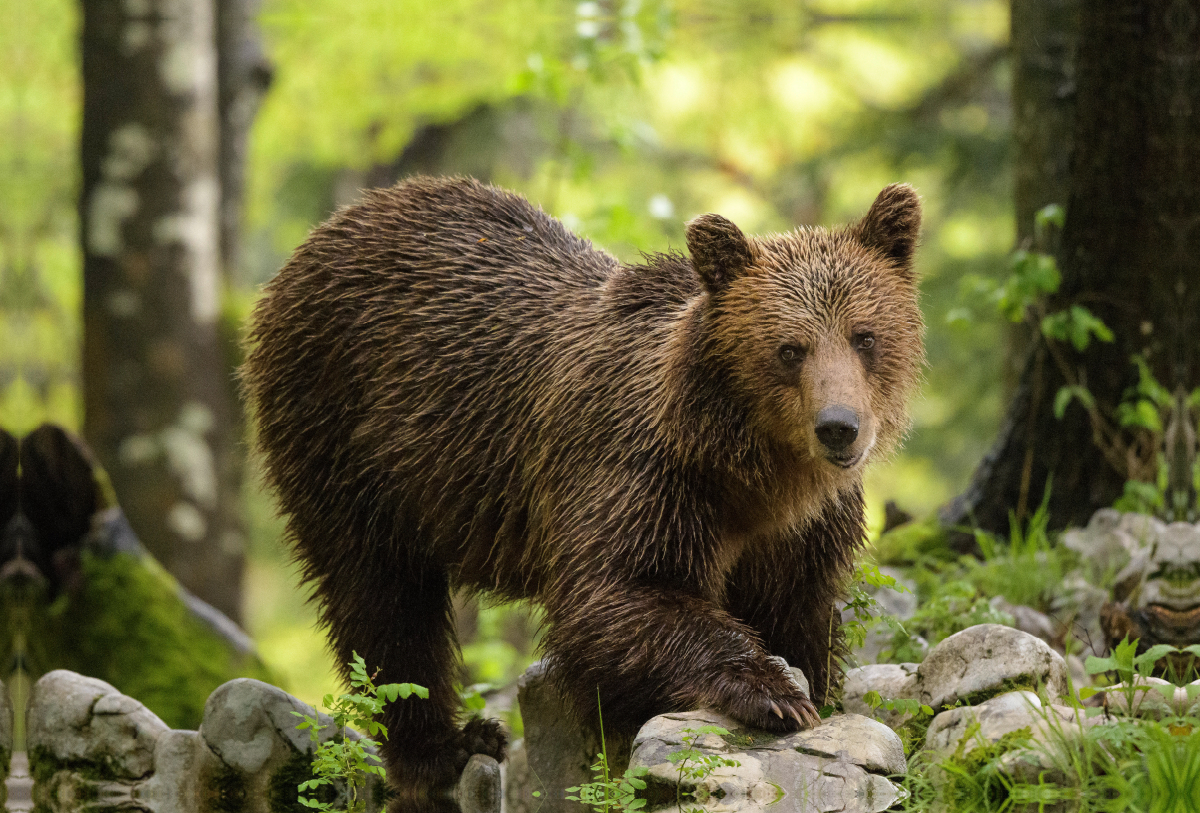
[(791, 355), (863, 341)]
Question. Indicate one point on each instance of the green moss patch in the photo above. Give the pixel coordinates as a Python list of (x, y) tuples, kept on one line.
[(126, 624), (1020, 683)]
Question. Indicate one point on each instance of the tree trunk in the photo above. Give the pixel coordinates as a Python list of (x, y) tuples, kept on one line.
[(155, 379), (1129, 252), (243, 76), (1045, 35)]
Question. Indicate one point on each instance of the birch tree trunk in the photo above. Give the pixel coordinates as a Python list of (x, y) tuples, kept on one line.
[(156, 383)]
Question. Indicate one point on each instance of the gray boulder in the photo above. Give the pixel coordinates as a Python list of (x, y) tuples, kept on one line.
[(93, 747), (966, 728), (893, 681), (841, 765), (75, 719), (988, 659)]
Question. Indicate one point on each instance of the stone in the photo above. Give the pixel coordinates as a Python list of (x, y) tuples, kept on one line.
[(558, 751), (249, 728), (1029, 620), (1152, 697), (893, 681), (478, 788), (1106, 544), (840, 765), (1079, 603), (92, 744), (75, 719), (519, 783), (247, 722), (988, 659)]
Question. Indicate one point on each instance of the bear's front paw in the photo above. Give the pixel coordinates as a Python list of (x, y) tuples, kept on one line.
[(767, 696)]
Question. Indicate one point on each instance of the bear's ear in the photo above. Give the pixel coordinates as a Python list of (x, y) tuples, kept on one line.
[(720, 252), (893, 225)]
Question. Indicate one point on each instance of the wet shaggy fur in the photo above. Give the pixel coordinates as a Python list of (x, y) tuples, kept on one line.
[(452, 390)]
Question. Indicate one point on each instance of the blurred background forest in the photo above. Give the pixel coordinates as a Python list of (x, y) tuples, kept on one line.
[(624, 119)]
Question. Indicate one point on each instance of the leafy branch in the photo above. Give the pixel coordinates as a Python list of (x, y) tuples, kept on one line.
[(346, 760)]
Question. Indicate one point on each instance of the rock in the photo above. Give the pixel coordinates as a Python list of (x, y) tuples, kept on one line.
[(558, 752), (837, 766), (988, 659), (478, 788), (89, 743), (518, 783), (1106, 544), (856, 739), (1080, 602), (75, 719), (893, 681), (1029, 620), (1034, 729), (1001, 715), (1152, 697)]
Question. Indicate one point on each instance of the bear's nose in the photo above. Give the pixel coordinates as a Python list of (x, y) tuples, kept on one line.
[(837, 427)]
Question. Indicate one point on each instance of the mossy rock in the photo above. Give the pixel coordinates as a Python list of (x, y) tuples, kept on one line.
[(127, 623)]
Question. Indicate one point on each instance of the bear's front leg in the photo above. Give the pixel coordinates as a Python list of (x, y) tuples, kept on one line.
[(648, 650)]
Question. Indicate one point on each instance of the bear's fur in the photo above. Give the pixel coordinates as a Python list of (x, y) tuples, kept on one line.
[(452, 390)]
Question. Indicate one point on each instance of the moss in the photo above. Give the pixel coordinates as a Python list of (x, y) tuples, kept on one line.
[(282, 795), (227, 790), (1020, 683), (912, 733), (743, 738), (126, 624), (43, 766), (910, 543)]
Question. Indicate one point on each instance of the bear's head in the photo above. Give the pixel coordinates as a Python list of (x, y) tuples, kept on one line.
[(820, 330)]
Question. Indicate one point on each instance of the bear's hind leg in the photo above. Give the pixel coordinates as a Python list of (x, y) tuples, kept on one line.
[(398, 618)]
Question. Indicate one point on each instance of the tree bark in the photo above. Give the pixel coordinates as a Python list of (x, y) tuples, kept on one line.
[(1045, 36), (155, 380), (243, 76), (1130, 252)]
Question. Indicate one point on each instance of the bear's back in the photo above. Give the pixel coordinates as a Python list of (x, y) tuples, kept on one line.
[(415, 346)]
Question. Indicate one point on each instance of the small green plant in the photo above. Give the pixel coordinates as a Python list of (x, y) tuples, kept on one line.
[(607, 793), (861, 603), (693, 764), (903, 705), (1028, 568), (345, 760)]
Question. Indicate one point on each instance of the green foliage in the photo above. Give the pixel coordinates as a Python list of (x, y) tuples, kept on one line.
[(1032, 276), (1027, 569), (1140, 498), (862, 605), (1142, 404), (1077, 325), (343, 759), (124, 607), (693, 765), (903, 705), (606, 792), (957, 604)]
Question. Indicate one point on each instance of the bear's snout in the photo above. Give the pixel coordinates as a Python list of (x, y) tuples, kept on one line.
[(837, 428)]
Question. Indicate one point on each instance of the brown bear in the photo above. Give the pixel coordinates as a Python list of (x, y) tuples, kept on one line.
[(454, 391)]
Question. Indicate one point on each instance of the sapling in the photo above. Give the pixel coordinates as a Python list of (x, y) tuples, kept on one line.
[(346, 760)]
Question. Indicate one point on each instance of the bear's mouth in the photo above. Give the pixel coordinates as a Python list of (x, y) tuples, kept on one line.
[(845, 461)]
